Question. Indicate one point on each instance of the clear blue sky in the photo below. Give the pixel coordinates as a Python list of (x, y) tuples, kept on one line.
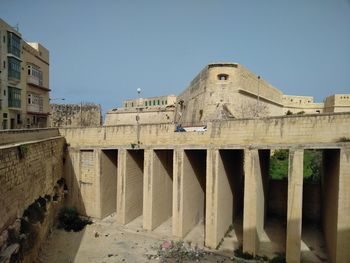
[(102, 51)]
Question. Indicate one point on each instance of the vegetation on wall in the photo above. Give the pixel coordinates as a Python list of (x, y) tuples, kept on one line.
[(69, 219), (312, 165)]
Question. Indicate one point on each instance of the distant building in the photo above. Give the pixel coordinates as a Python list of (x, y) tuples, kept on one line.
[(24, 81), (146, 110), (222, 91), (75, 115), (228, 90)]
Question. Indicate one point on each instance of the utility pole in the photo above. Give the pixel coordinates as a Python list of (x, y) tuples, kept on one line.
[(137, 115)]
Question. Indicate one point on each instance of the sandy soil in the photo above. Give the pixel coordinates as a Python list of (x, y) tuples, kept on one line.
[(106, 241)]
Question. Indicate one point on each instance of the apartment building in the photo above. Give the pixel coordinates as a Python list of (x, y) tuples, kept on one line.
[(24, 81)]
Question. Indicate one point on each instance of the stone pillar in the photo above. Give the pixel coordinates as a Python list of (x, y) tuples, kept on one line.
[(178, 193), (121, 187), (254, 202), (147, 190), (211, 232), (295, 202), (343, 228)]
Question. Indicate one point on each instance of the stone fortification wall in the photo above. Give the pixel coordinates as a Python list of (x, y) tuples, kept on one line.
[(224, 91), (123, 116), (27, 171), (16, 136), (320, 128), (337, 103), (75, 115), (301, 104)]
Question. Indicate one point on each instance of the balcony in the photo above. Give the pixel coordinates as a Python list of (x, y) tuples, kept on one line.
[(35, 81), (37, 108)]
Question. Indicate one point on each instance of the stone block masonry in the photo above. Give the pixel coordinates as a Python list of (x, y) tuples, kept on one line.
[(27, 171)]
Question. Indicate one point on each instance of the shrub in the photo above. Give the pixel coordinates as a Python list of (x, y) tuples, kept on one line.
[(344, 139), (240, 254), (35, 212), (30, 235), (69, 219), (280, 258)]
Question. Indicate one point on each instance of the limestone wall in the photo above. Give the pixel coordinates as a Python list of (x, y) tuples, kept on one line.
[(321, 128), (153, 115), (227, 90), (337, 103), (16, 136), (75, 115), (27, 171)]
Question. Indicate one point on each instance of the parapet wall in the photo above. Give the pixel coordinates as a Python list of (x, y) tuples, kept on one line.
[(75, 115), (26, 135), (295, 129), (27, 171)]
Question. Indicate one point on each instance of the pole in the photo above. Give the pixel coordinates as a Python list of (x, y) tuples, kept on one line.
[(258, 101)]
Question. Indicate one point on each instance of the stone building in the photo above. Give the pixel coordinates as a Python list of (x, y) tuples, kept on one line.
[(147, 110), (75, 115), (222, 91), (228, 90), (24, 81)]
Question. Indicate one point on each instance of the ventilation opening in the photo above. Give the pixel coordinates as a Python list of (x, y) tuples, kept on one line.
[(222, 77)]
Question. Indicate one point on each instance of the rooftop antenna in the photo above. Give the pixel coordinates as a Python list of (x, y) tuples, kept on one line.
[(16, 27)]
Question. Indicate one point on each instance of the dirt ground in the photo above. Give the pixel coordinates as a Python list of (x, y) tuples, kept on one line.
[(105, 241)]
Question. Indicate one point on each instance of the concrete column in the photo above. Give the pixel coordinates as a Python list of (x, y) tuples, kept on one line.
[(343, 228), (158, 187), (121, 187), (178, 193), (295, 202), (254, 202), (147, 189), (211, 232), (97, 205), (89, 181)]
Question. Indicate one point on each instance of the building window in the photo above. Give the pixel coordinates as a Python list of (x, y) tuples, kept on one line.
[(4, 63), (166, 102), (132, 104), (13, 44), (14, 98), (30, 99), (36, 75), (222, 77), (145, 103), (154, 102), (14, 68), (158, 102)]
